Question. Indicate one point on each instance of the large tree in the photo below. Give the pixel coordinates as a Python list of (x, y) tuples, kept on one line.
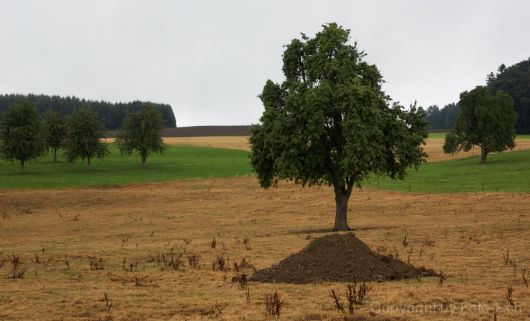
[(329, 122), (485, 120), (21, 136), (142, 132), (84, 132), (54, 131)]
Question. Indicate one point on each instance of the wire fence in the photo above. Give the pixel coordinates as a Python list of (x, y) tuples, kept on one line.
[(441, 187), (450, 187)]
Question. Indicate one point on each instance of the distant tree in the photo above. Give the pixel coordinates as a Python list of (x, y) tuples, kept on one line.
[(142, 132), (21, 136), (330, 122), (84, 132), (433, 117), (54, 131), (443, 118), (515, 81), (485, 120)]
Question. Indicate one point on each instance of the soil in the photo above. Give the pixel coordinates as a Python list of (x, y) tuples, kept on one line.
[(335, 258)]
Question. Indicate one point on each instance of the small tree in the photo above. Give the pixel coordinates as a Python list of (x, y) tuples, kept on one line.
[(142, 131), (21, 134), (54, 131), (84, 132), (330, 122), (484, 120)]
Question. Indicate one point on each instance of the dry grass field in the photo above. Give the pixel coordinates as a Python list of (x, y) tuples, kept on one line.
[(76, 245), (433, 146), (57, 233)]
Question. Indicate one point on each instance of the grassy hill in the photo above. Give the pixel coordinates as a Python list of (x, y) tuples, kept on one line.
[(178, 162), (506, 172)]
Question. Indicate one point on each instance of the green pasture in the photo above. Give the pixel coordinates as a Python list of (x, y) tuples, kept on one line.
[(178, 162)]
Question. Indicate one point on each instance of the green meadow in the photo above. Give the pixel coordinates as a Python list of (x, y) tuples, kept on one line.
[(176, 163), (506, 172)]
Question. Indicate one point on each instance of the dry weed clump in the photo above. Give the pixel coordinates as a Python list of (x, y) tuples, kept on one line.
[(96, 264), (18, 269), (131, 266), (172, 260), (525, 275), (274, 303), (108, 307), (220, 263), (244, 265), (508, 294), (194, 261), (355, 296)]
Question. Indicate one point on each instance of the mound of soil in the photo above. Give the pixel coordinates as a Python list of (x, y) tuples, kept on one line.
[(338, 257)]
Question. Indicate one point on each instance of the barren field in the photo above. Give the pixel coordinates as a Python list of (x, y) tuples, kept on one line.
[(78, 244), (232, 142), (433, 146)]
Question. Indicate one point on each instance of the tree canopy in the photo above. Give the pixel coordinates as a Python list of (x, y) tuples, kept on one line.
[(54, 131), (21, 135), (515, 81), (83, 137), (442, 118), (329, 122), (142, 131), (486, 120), (112, 114)]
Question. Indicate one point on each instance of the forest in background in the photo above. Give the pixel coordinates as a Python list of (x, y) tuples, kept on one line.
[(513, 80), (112, 114)]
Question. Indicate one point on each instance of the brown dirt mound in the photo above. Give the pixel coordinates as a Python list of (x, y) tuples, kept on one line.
[(338, 257)]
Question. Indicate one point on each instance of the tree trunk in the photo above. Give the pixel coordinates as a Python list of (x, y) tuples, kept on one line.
[(55, 154), (483, 154), (143, 161), (21, 166), (88, 162), (341, 214)]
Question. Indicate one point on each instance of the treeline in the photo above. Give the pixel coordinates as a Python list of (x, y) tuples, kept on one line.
[(112, 114), (442, 118), (25, 136), (513, 80)]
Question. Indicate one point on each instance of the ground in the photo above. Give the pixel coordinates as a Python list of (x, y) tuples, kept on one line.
[(464, 235), (57, 233)]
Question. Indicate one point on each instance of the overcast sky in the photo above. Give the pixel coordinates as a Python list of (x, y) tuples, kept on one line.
[(210, 59)]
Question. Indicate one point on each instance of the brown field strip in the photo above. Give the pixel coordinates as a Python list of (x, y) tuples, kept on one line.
[(433, 146), (55, 232)]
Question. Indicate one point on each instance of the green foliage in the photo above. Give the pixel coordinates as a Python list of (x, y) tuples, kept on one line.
[(330, 122), (113, 114), (142, 131), (484, 120), (21, 136), (54, 131), (515, 81), (177, 163), (83, 137), (442, 118)]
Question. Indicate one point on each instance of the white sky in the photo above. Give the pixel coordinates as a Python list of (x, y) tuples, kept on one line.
[(210, 59)]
